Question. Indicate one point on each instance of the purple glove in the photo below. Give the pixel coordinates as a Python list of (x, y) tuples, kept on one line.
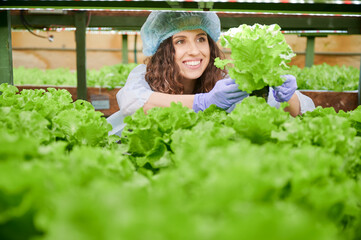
[(284, 92), (224, 94)]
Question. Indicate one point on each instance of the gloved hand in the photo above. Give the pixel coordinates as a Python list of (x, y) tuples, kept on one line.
[(224, 94), (284, 92)]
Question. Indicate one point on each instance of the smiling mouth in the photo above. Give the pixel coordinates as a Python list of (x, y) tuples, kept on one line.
[(193, 63)]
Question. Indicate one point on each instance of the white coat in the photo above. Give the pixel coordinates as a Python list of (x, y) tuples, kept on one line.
[(137, 91)]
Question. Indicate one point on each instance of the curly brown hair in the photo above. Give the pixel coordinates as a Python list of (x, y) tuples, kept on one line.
[(163, 74)]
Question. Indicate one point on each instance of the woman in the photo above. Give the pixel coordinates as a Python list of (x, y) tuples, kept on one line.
[(181, 48)]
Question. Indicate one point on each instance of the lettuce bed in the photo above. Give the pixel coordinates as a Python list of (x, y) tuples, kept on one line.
[(255, 173), (107, 76), (326, 77), (317, 77)]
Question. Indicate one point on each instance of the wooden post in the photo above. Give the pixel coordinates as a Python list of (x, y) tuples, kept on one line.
[(125, 48), (6, 59), (359, 86), (135, 48), (310, 51), (80, 37)]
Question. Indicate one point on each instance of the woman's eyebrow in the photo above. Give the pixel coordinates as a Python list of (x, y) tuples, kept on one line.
[(182, 36), (179, 36)]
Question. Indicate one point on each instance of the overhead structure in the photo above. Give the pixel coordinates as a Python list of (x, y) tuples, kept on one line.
[(311, 18), (326, 6)]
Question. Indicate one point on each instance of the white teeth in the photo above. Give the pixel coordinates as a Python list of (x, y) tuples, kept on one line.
[(193, 63)]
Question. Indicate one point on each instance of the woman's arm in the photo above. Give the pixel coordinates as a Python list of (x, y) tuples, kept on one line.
[(158, 99), (287, 93), (294, 107), (224, 94)]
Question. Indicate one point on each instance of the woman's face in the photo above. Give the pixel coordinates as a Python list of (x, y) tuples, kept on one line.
[(192, 53)]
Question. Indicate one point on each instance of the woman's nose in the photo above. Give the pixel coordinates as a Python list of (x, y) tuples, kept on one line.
[(193, 48)]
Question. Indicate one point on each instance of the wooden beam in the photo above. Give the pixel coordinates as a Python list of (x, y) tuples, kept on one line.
[(124, 20)]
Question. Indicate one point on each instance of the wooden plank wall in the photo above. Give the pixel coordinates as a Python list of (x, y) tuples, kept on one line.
[(105, 49), (328, 45)]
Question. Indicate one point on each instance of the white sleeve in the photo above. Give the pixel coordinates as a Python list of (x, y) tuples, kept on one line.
[(307, 105), (135, 92), (306, 102)]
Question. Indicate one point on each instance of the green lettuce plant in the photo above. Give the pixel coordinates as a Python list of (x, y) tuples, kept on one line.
[(327, 77), (107, 76), (259, 56), (216, 175), (52, 116)]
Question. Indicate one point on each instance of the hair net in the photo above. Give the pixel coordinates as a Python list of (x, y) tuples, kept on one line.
[(161, 25)]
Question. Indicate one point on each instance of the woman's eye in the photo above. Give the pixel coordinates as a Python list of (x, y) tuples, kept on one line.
[(201, 39), (179, 42)]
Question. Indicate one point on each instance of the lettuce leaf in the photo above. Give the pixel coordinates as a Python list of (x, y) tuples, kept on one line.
[(149, 135), (255, 120)]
